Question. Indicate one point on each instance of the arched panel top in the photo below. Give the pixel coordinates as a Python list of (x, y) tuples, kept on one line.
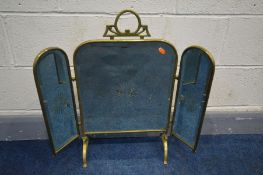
[(195, 79), (206, 52), (53, 80)]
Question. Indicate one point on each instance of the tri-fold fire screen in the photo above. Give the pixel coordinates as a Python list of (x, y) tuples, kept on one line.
[(124, 86)]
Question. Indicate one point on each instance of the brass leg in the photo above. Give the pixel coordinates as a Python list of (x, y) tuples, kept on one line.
[(85, 141), (165, 148)]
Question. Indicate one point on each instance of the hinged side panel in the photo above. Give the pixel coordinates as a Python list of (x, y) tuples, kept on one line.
[(195, 78), (53, 81)]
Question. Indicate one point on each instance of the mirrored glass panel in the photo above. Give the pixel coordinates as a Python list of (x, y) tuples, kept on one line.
[(125, 85), (195, 78), (53, 80)]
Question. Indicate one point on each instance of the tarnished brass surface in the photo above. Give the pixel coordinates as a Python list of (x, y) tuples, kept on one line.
[(73, 78), (85, 141), (165, 148), (113, 30), (125, 132)]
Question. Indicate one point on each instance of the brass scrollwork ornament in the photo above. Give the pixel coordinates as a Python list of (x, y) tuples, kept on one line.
[(113, 30)]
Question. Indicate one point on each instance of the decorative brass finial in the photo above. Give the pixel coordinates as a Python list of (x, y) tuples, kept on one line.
[(113, 31)]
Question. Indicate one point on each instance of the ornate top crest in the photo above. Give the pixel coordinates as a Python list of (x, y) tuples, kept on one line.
[(113, 30)]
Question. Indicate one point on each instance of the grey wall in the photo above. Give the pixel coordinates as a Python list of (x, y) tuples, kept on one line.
[(230, 29)]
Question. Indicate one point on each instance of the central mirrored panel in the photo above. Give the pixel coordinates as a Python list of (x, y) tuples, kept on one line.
[(125, 85)]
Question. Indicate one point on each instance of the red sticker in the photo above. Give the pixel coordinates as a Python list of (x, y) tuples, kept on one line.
[(162, 51)]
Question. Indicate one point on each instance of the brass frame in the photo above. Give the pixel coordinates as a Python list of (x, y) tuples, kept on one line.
[(126, 131), (145, 40), (36, 61), (161, 130), (208, 88), (117, 33)]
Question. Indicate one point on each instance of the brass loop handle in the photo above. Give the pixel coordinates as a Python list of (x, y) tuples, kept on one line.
[(127, 30)]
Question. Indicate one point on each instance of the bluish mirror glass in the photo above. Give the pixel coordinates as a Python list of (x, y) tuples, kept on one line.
[(125, 85), (196, 73), (52, 76)]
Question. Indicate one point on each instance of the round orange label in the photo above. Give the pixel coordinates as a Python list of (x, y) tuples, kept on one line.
[(162, 51)]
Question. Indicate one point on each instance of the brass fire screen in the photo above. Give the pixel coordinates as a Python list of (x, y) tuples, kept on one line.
[(124, 86)]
